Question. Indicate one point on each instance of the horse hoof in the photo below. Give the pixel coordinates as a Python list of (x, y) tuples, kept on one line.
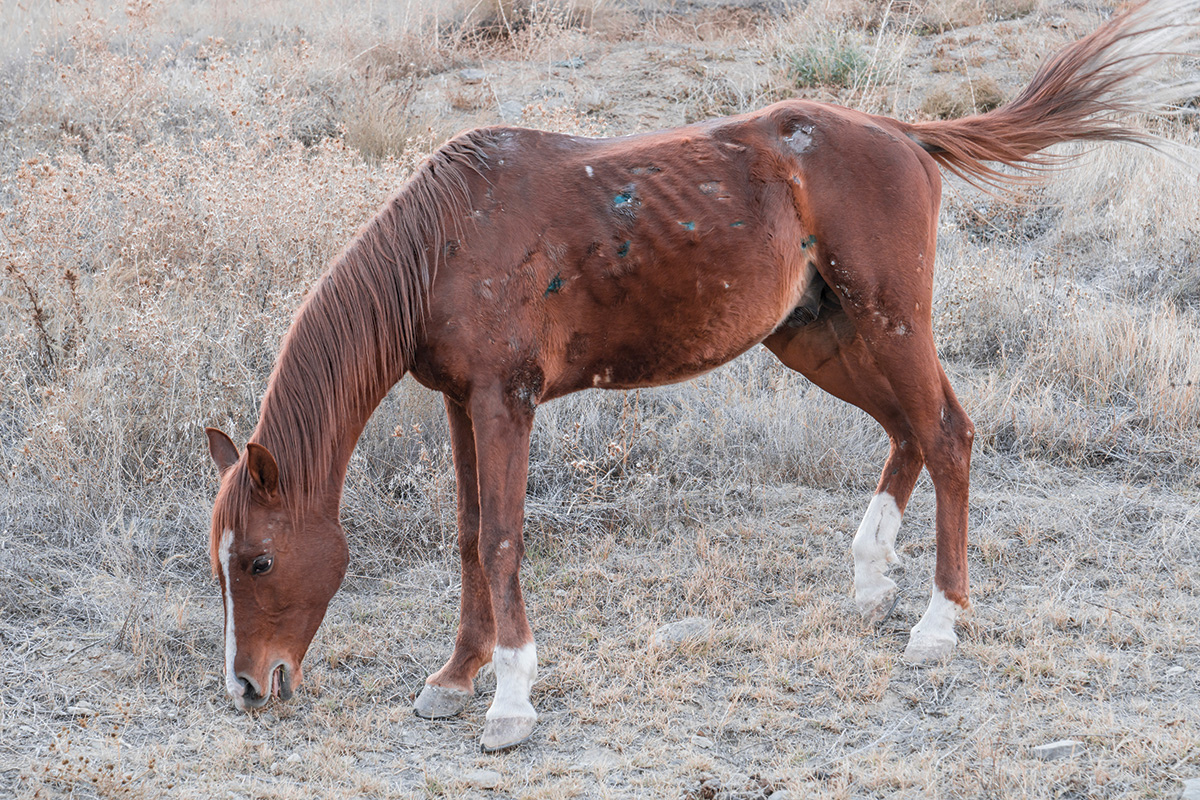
[(878, 604), (925, 650), (439, 702), (502, 733)]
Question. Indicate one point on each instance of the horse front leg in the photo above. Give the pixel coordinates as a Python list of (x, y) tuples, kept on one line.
[(448, 690), (502, 425)]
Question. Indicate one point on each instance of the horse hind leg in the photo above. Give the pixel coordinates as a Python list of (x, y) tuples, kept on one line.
[(831, 355), (899, 339), (447, 692)]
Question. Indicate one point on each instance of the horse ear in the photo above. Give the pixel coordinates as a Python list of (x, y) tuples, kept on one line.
[(222, 449), (264, 472)]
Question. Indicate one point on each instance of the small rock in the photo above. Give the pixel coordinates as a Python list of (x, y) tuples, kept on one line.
[(482, 778), (276, 768), (1191, 789), (511, 110), (294, 758), (681, 631), (574, 62), (702, 741), (81, 710), (781, 794), (471, 76), (1064, 748), (348, 761), (1177, 670)]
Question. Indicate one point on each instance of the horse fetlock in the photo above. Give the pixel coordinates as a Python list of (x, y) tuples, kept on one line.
[(440, 702)]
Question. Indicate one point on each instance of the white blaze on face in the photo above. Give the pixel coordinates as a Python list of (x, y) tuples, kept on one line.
[(516, 670), (232, 684), (874, 549)]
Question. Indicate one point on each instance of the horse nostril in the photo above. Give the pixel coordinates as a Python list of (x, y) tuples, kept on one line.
[(248, 691)]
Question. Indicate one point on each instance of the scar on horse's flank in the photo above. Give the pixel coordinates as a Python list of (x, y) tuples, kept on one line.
[(460, 315)]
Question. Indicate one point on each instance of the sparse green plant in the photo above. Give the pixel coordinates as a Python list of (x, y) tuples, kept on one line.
[(835, 60)]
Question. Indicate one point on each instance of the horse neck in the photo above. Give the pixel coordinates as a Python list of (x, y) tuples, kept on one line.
[(351, 340)]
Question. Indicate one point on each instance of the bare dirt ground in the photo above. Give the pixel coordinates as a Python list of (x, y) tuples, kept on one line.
[(175, 174)]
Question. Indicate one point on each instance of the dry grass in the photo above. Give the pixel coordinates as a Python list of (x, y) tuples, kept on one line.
[(176, 174)]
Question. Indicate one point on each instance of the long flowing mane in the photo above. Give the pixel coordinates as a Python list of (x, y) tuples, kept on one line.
[(357, 331)]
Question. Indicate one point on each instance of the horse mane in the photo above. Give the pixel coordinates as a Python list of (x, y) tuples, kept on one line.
[(356, 333)]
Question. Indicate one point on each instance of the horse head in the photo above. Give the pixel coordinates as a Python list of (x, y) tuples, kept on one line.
[(279, 565)]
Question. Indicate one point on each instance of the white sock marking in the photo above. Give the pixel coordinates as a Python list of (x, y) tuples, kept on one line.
[(516, 670), (937, 626), (874, 549), (232, 684)]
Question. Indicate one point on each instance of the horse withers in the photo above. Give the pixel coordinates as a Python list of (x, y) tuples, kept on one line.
[(517, 266)]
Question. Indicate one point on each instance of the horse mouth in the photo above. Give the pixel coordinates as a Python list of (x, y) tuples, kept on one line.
[(281, 682)]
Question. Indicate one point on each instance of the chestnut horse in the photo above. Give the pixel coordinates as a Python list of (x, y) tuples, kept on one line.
[(516, 266)]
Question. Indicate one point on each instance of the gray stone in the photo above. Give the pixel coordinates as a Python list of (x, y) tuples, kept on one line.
[(511, 110), (702, 741), (1064, 748), (472, 76), (482, 778), (683, 630), (781, 794), (1176, 670), (1191, 789), (574, 62), (294, 758)]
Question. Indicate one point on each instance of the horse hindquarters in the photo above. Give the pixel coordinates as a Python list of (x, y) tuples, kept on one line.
[(873, 199)]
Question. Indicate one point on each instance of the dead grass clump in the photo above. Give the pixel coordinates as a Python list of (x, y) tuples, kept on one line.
[(939, 16), (950, 101)]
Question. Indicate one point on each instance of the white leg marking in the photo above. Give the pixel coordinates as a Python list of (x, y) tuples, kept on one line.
[(874, 549), (232, 684), (933, 638), (516, 670)]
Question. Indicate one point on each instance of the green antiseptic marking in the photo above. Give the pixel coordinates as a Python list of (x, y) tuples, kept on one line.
[(624, 198), (737, 224), (691, 226), (623, 250), (556, 283), (811, 241)]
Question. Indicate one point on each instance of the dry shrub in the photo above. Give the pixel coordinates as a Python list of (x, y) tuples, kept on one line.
[(975, 96), (938, 16), (820, 46)]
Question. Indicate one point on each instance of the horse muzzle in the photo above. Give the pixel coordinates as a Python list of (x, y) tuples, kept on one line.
[(248, 693)]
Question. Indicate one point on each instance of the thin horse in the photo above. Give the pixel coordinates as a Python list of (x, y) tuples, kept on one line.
[(517, 266)]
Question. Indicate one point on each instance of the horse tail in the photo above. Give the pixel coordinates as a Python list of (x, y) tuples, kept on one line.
[(1086, 92)]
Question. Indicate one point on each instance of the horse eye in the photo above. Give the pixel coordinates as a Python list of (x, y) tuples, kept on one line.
[(262, 565)]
